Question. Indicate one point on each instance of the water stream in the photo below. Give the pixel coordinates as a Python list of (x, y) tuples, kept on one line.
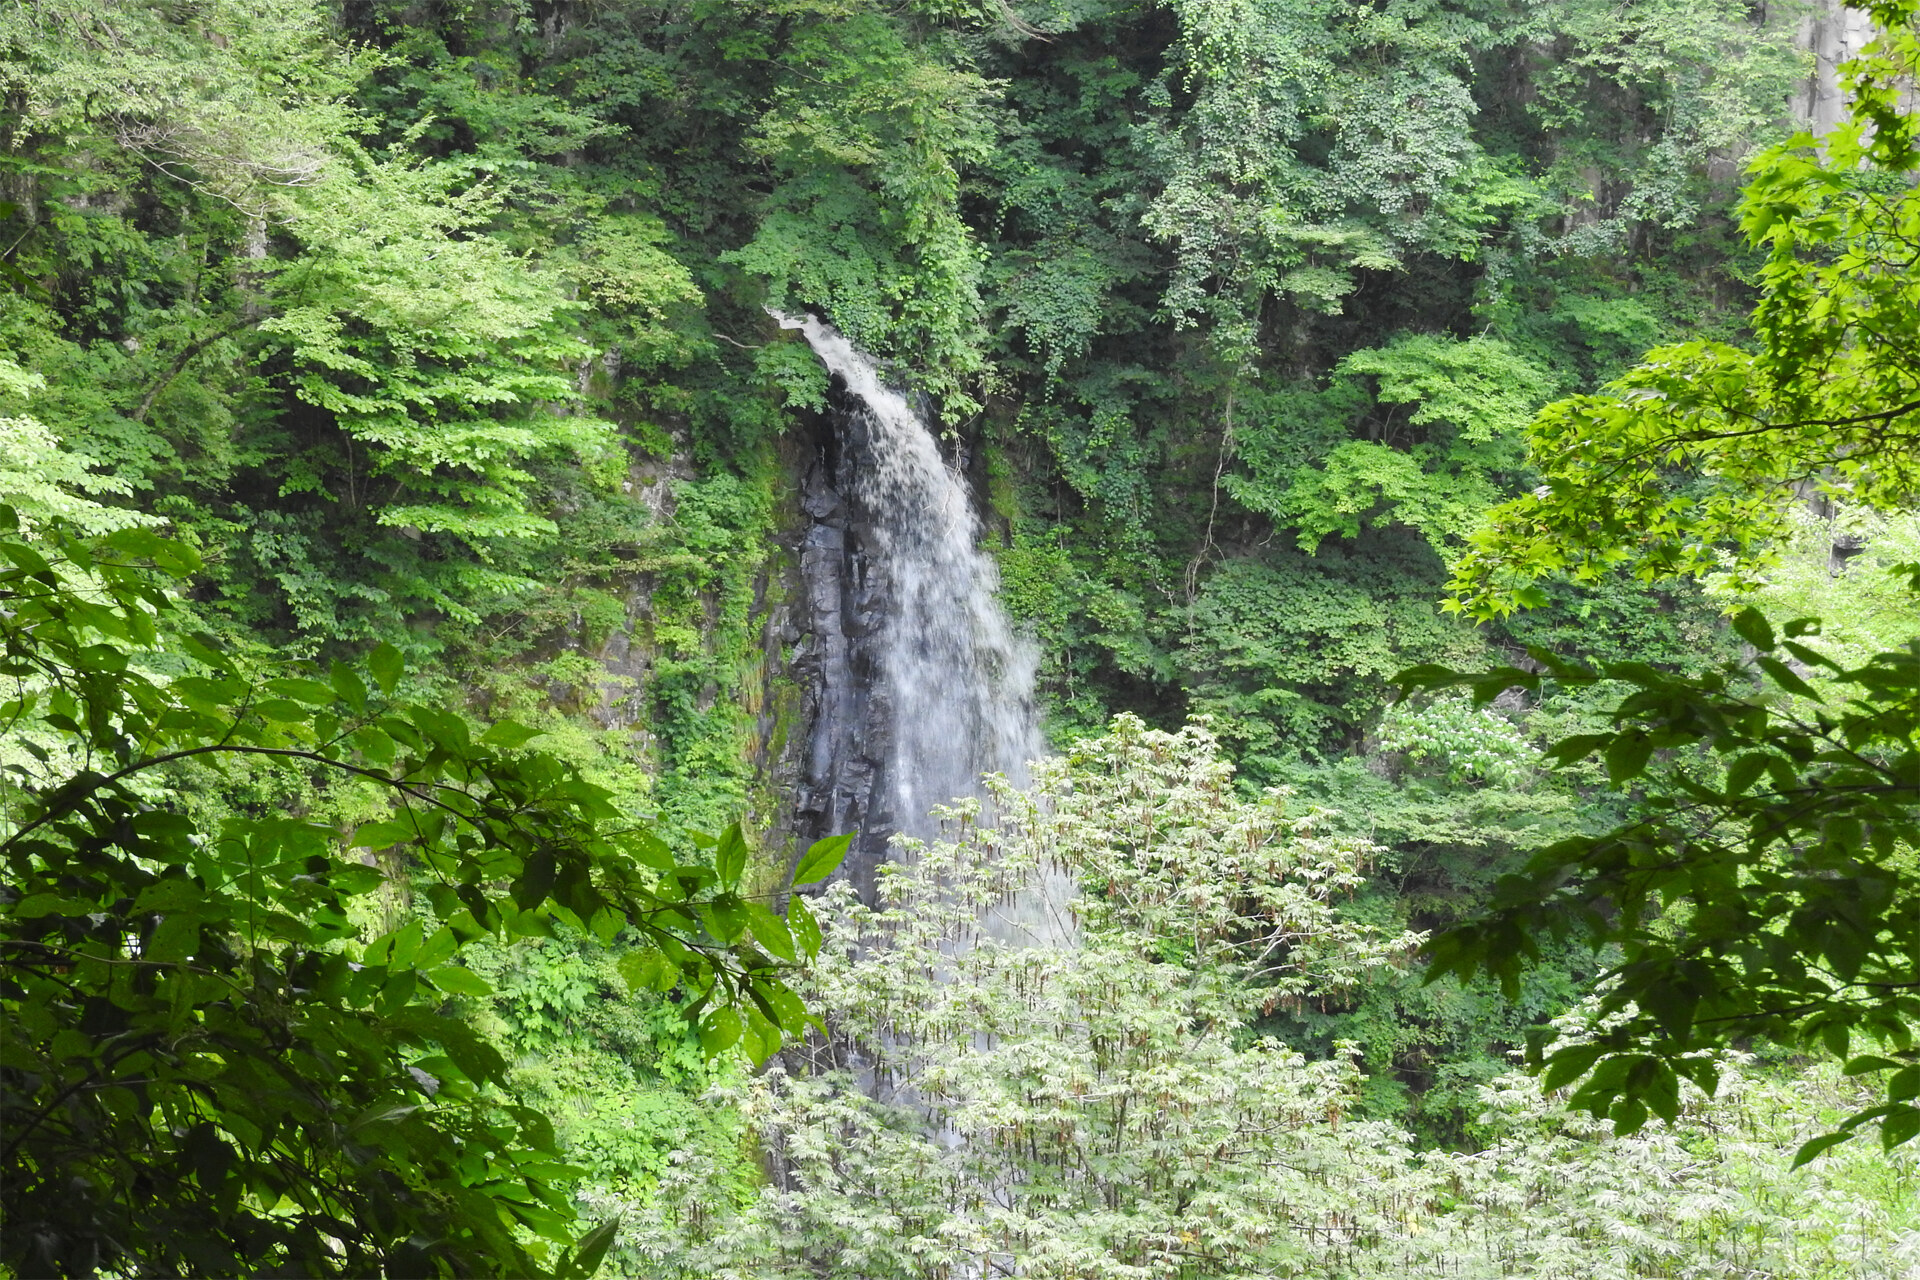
[(952, 681), (955, 680)]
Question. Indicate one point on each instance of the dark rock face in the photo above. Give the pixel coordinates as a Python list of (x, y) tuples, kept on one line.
[(843, 739), (912, 682)]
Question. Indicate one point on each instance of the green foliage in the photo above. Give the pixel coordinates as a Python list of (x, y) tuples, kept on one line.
[(1705, 445), (1761, 886), (1472, 398), (1035, 1039), (619, 1073), (434, 350), (1085, 1101), (1291, 657), (1554, 1192), (1850, 570), (1766, 896), (1711, 76), (185, 998), (1455, 797), (440, 326), (865, 131), (42, 481), (1275, 87)]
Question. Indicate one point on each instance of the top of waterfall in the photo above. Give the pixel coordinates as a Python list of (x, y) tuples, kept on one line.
[(856, 367)]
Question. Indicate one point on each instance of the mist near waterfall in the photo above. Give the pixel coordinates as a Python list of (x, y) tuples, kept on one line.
[(956, 680)]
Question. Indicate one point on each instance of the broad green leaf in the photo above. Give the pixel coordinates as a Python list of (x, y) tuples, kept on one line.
[(822, 859), (730, 857), (726, 918), (1904, 1084), (312, 693), (1899, 1126), (646, 969), (1814, 1147), (386, 666), (1786, 677), (770, 931), (805, 929), (1569, 1064), (719, 1030), (1743, 772), (507, 735), (591, 1251), (459, 980), (347, 684), (1753, 627), (1627, 756)]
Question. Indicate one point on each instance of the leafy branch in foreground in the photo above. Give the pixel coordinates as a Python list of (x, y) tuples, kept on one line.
[(206, 1070), (1704, 446), (1768, 890)]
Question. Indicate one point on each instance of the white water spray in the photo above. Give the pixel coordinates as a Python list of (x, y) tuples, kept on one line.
[(957, 681)]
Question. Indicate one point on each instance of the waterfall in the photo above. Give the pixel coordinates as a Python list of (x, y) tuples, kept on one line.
[(954, 681), (948, 683)]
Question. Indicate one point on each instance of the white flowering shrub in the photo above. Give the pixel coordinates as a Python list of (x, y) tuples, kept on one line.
[(1038, 1063), (1467, 743)]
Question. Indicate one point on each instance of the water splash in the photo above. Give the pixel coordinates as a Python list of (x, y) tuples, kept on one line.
[(956, 680)]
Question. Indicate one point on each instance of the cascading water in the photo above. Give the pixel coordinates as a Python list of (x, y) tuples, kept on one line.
[(954, 682), (948, 686)]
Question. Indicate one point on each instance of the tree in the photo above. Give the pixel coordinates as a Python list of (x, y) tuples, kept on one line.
[(1007, 1098), (206, 1071), (1038, 1054), (1766, 887), (1704, 449)]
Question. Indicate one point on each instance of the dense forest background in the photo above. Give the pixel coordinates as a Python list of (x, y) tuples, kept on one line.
[(442, 325)]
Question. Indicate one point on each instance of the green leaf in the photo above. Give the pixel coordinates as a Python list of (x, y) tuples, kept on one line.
[(782, 1006), (312, 693), (1814, 1147), (1753, 627), (759, 1037), (591, 1251), (173, 940), (1743, 772), (822, 859), (770, 931), (1577, 747), (536, 879), (283, 710), (348, 686), (652, 851), (1899, 1126), (437, 946), (646, 969), (1904, 1084), (719, 1031), (209, 1155), (1627, 756), (1785, 677), (805, 929), (1629, 1116), (730, 857), (508, 735), (386, 666), (726, 918), (459, 980), (1568, 1064)]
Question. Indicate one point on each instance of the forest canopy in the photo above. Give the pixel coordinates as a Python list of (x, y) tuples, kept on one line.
[(1412, 439), (1766, 895)]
